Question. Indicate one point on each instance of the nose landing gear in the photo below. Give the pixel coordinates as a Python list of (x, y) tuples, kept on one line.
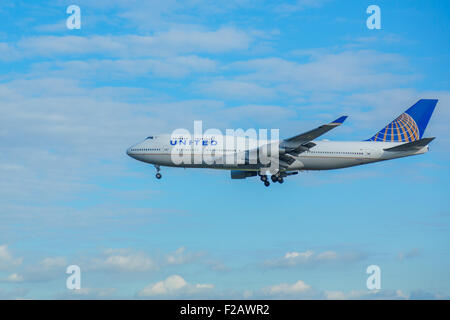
[(158, 175)]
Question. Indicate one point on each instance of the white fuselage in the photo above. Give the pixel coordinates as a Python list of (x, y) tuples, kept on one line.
[(325, 155)]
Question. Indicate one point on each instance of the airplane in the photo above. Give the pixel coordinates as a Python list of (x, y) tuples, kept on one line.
[(402, 137)]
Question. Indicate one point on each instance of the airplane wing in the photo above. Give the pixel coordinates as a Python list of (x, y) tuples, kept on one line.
[(302, 142), (315, 133), (289, 148)]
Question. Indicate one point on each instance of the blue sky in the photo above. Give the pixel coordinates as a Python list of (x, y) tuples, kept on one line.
[(72, 102)]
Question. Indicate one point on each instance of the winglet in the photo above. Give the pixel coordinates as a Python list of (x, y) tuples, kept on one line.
[(339, 120)]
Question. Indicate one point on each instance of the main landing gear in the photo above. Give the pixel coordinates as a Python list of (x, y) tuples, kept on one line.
[(275, 178), (158, 169), (265, 180)]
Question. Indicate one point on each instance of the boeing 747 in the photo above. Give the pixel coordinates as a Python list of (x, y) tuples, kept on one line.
[(402, 137)]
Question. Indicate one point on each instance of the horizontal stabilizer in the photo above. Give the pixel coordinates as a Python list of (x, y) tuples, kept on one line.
[(411, 146)]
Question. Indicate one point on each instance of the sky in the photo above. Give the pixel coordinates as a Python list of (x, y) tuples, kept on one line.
[(73, 100)]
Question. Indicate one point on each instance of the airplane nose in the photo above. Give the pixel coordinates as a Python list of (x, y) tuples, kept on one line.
[(129, 152)]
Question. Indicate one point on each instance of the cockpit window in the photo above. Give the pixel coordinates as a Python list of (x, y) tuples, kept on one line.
[(150, 137)]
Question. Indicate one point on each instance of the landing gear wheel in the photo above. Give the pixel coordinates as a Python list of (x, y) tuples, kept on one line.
[(158, 175), (266, 183), (264, 178), (274, 178), (280, 180)]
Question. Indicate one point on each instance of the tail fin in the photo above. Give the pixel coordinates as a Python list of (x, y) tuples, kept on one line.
[(410, 125)]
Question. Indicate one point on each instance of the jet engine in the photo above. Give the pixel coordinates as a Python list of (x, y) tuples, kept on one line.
[(240, 174)]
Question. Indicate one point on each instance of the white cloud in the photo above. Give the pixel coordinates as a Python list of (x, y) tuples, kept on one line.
[(366, 295), (180, 256), (174, 285), (87, 293), (328, 256), (169, 285), (263, 114), (304, 255), (8, 52), (16, 293), (14, 277), (302, 290), (152, 15), (168, 43), (309, 257), (126, 261), (57, 262), (335, 295), (204, 286), (427, 295), (339, 71), (298, 289), (217, 266), (298, 5), (236, 90), (166, 67), (7, 260)]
